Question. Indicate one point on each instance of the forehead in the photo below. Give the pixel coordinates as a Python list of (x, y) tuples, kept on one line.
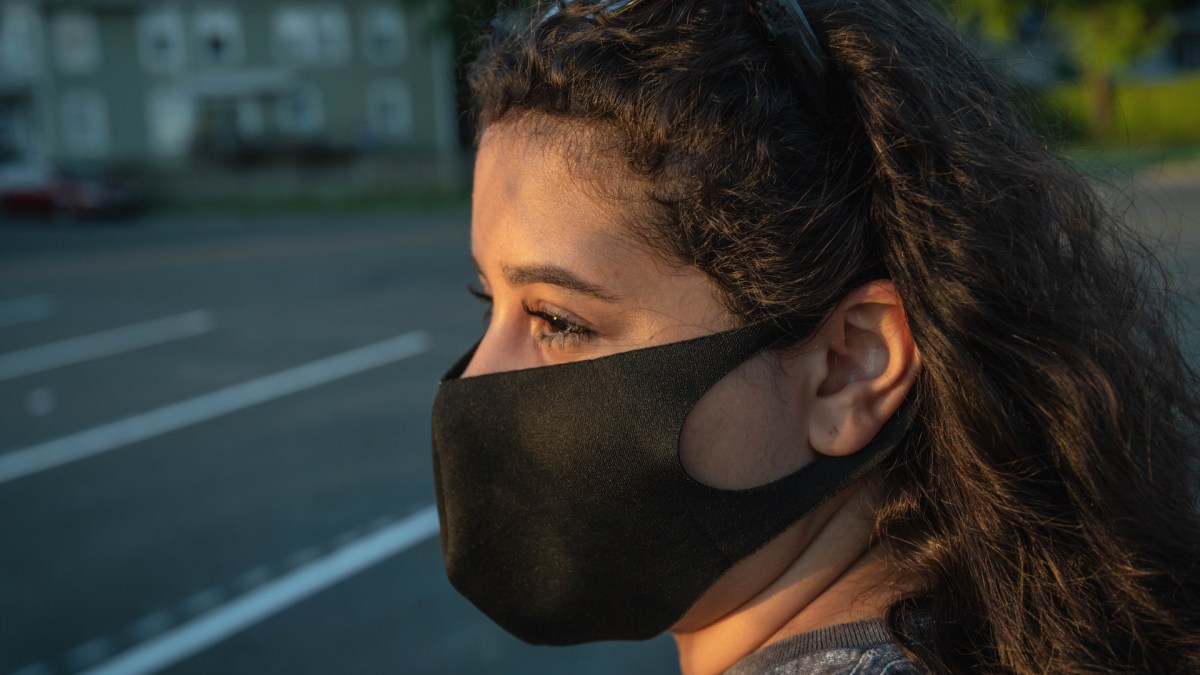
[(546, 185), (564, 156)]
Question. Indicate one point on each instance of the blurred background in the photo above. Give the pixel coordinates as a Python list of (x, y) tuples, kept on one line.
[(233, 259)]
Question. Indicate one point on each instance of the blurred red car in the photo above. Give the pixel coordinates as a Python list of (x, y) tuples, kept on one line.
[(42, 190)]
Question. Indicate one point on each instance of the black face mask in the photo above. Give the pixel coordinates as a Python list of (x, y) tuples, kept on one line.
[(566, 515)]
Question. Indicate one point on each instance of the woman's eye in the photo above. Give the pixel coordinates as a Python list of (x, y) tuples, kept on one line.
[(559, 324), (555, 328), (558, 329)]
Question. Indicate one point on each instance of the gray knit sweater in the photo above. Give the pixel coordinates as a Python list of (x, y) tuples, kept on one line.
[(862, 648)]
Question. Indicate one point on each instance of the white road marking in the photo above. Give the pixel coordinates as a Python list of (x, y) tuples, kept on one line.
[(51, 454), (207, 630), (26, 310), (105, 343)]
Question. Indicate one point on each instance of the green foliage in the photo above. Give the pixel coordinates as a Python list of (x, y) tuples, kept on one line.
[(1102, 35), (1146, 113), (1106, 36), (993, 19)]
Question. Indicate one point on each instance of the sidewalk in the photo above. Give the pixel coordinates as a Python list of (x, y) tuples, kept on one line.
[(1172, 175)]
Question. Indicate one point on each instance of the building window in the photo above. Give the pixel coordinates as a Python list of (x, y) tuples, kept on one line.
[(170, 122), (85, 132), (311, 36), (294, 34), (161, 41), (384, 37), (19, 28), (218, 34), (301, 111), (76, 41), (389, 110)]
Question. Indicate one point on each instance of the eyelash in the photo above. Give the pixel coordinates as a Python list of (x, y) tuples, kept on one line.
[(568, 332)]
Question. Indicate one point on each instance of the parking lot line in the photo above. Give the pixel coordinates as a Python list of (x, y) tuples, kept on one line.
[(105, 343), (97, 440), (25, 310), (222, 622)]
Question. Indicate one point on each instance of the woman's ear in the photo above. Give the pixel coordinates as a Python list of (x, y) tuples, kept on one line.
[(870, 364)]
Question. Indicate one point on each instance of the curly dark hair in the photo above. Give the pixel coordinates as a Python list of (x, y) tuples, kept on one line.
[(1046, 492)]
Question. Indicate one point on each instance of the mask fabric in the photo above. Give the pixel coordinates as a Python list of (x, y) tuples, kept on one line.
[(566, 515)]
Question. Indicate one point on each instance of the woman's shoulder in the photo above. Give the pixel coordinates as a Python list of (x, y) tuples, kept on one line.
[(863, 648)]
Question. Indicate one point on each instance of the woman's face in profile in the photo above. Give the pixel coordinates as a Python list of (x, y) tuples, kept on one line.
[(567, 282)]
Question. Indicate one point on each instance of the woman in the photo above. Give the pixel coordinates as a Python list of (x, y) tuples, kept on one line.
[(802, 348)]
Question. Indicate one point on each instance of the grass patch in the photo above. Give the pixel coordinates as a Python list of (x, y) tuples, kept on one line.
[(1155, 124), (1155, 113)]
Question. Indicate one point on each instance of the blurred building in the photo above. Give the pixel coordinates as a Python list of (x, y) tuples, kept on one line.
[(1041, 57), (265, 91), (1184, 50)]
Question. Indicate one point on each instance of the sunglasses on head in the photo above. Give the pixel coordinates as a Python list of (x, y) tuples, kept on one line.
[(791, 36)]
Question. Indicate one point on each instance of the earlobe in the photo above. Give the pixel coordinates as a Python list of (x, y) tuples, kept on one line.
[(871, 364)]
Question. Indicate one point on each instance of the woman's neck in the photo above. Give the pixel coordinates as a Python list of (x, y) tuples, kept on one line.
[(838, 578)]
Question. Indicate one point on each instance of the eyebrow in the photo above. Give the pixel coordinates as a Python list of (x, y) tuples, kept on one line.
[(554, 275)]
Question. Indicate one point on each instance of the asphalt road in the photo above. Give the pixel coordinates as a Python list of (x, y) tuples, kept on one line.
[(228, 469)]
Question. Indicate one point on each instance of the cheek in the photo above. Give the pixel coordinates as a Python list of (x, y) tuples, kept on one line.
[(749, 430)]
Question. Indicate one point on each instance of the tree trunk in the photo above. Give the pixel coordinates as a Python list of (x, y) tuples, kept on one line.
[(1101, 95)]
